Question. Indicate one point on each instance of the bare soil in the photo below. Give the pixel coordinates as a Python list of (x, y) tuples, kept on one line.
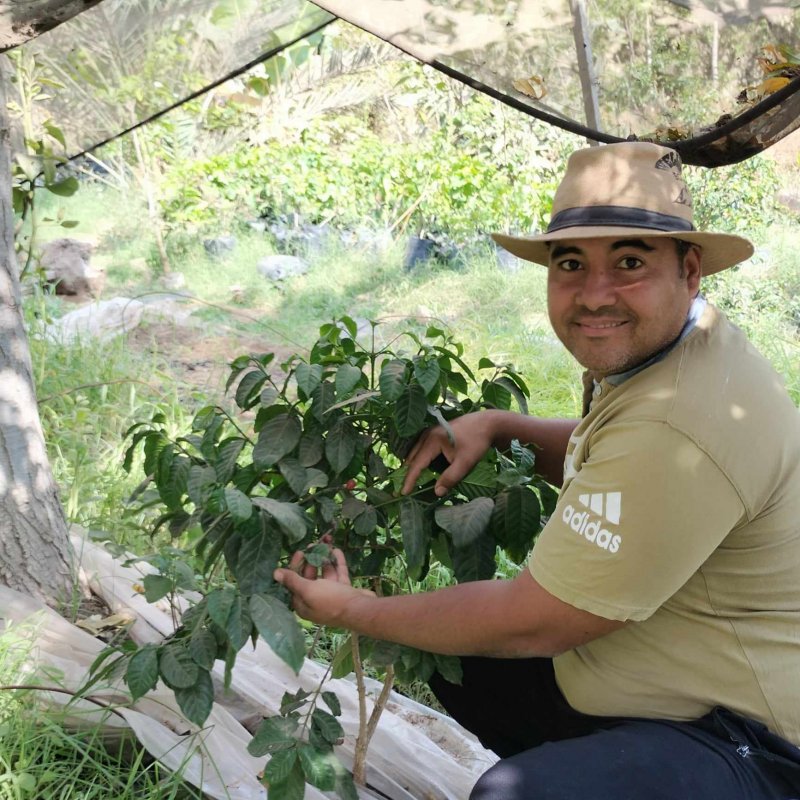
[(198, 356)]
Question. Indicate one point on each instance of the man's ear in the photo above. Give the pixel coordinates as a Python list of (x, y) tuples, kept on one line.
[(693, 268)]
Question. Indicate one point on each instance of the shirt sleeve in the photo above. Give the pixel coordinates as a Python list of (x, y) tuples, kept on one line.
[(645, 510)]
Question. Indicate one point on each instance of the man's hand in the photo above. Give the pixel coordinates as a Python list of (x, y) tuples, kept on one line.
[(323, 601), (474, 435)]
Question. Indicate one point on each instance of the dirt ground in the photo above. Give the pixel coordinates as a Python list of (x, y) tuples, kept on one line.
[(198, 356)]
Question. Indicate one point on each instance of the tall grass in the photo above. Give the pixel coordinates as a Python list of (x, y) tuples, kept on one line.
[(43, 759)]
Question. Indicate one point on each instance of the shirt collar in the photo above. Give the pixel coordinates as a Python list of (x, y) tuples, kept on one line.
[(696, 310)]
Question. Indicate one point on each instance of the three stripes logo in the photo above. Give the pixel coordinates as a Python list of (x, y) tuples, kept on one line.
[(602, 509), (608, 505)]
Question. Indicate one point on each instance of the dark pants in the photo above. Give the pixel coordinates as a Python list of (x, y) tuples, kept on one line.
[(552, 752)]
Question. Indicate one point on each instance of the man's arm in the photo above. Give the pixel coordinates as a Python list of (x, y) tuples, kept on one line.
[(476, 433), (503, 618)]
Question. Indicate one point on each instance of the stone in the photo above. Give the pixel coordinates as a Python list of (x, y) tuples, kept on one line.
[(790, 198), (66, 264), (220, 245), (103, 320), (278, 268), (174, 281)]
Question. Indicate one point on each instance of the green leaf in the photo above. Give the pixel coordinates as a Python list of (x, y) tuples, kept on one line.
[(279, 766), (449, 667), (204, 417), (258, 559), (269, 394), (238, 504), (327, 726), (466, 522), (476, 562), (177, 667), (273, 735), (515, 521), (219, 604), (347, 378), (156, 587), (340, 446), (486, 363), (141, 674), (366, 522), (324, 398), (427, 373), (393, 379), (293, 701), (308, 377), (342, 663), (333, 703), (279, 628), (317, 766), (196, 701), (240, 624), (203, 648), (227, 455), (276, 439), (416, 536), (411, 410), (290, 517), (312, 446), (172, 489), (318, 555), (293, 788), (200, 482), (496, 395), (481, 482), (248, 392), (294, 473), (512, 387), (315, 478), (523, 457), (63, 188)]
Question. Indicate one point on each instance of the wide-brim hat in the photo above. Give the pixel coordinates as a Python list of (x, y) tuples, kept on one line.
[(624, 190)]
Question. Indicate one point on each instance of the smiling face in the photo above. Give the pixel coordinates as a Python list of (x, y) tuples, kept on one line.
[(614, 303)]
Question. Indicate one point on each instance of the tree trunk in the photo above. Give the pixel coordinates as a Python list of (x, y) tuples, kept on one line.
[(34, 545)]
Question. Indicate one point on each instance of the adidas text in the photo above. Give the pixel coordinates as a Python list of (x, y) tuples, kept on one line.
[(590, 527)]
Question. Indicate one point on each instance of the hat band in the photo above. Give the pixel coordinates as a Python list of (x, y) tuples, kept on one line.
[(617, 216)]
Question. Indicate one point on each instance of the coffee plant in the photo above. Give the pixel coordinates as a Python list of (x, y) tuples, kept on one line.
[(314, 459)]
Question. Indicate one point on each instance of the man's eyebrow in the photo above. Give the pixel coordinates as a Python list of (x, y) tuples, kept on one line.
[(562, 250), (637, 243)]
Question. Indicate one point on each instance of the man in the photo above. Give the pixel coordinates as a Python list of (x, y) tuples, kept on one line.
[(652, 647)]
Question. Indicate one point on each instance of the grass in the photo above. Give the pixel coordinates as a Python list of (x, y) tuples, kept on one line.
[(43, 758)]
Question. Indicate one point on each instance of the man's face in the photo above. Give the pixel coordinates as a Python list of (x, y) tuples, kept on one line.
[(615, 303)]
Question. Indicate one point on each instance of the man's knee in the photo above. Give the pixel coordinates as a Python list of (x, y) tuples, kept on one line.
[(504, 781)]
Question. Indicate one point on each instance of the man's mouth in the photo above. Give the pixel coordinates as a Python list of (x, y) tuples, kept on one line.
[(599, 325)]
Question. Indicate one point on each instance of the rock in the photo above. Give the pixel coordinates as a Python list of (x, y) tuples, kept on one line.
[(257, 225), (66, 265), (103, 320), (507, 262), (278, 268), (173, 281), (790, 198), (219, 246), (418, 251)]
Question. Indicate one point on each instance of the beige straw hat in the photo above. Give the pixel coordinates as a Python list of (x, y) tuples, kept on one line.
[(624, 189)]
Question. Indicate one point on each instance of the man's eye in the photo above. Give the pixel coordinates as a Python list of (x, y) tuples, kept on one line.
[(631, 262), (569, 265)]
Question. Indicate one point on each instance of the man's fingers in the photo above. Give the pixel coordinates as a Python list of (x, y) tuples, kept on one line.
[(337, 569), (296, 561)]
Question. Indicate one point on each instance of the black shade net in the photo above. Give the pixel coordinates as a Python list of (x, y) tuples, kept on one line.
[(719, 80)]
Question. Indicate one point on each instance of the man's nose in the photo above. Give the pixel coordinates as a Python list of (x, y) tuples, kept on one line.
[(596, 290)]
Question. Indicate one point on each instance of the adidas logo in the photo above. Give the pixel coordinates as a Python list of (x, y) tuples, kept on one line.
[(602, 509)]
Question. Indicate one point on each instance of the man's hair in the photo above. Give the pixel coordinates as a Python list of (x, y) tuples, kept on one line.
[(682, 247)]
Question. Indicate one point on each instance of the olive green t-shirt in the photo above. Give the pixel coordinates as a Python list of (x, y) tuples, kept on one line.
[(680, 512)]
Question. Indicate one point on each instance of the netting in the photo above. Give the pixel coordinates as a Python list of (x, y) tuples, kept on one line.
[(716, 79)]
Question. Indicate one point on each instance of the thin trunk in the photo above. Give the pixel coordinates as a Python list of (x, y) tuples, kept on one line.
[(34, 543)]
